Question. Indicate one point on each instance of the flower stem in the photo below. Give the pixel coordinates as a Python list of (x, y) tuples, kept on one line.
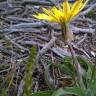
[(77, 65), (68, 37), (66, 32)]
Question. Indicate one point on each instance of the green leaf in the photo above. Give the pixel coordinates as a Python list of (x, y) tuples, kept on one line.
[(90, 70), (42, 93), (91, 91), (58, 92), (74, 91), (67, 67), (83, 62), (69, 91), (49, 80)]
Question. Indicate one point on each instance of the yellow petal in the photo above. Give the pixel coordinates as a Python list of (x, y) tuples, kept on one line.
[(44, 17), (66, 10), (76, 4), (84, 4), (75, 8), (63, 13), (50, 13), (56, 14)]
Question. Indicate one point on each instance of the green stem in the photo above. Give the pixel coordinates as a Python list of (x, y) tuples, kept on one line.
[(66, 32), (77, 66), (68, 37)]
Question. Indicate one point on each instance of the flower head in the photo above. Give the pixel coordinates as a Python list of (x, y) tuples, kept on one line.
[(64, 13)]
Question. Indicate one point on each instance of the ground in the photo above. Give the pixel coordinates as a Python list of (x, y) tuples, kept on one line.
[(19, 31)]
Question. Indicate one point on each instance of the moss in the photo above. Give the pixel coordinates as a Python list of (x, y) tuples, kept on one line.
[(29, 72), (92, 14)]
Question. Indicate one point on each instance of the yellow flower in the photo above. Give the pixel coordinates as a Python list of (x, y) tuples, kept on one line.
[(63, 14)]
